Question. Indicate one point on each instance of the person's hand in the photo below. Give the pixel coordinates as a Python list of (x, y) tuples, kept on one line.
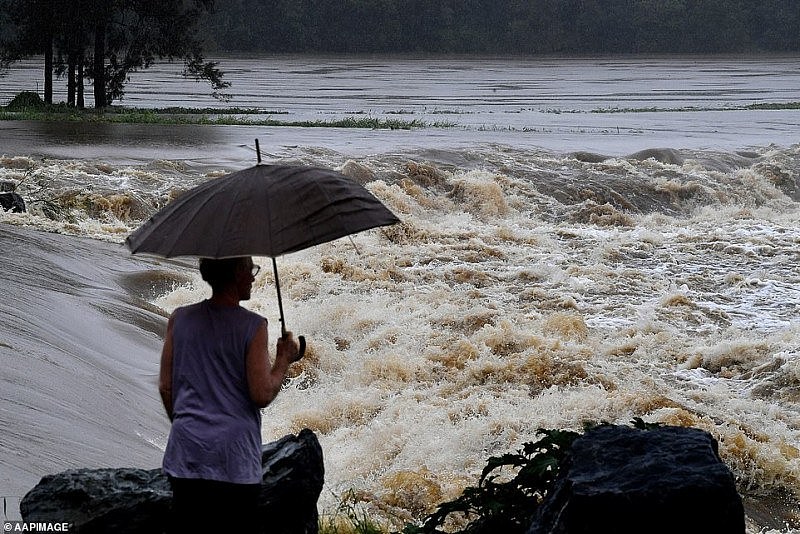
[(288, 348)]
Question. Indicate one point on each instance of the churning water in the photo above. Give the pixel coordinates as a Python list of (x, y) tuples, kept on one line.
[(554, 265)]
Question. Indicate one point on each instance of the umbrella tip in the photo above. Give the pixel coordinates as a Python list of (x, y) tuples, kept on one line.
[(258, 153)]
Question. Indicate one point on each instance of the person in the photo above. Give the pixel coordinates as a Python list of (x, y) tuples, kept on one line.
[(215, 376)]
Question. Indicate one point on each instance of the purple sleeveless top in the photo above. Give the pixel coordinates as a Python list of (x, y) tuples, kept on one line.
[(216, 429)]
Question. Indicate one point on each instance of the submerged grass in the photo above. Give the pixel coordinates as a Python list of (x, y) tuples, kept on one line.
[(207, 111), (771, 106), (761, 106), (203, 116), (151, 117)]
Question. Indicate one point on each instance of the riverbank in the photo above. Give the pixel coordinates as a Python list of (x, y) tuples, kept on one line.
[(201, 116)]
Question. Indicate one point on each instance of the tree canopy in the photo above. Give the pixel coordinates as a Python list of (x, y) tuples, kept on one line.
[(505, 26), (104, 41)]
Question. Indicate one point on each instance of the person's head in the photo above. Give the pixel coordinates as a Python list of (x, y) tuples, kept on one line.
[(229, 274)]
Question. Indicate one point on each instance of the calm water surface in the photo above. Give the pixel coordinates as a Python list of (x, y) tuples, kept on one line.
[(613, 106)]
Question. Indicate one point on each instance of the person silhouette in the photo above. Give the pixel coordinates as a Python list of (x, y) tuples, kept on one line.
[(215, 376)]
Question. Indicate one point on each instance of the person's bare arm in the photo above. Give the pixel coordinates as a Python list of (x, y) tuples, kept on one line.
[(165, 371), (263, 378)]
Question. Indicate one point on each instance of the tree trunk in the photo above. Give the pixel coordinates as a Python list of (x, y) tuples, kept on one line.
[(79, 80), (71, 79), (99, 73), (48, 70)]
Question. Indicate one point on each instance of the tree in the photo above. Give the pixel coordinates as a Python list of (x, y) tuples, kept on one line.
[(72, 42), (109, 38), (779, 24), (129, 35), (30, 29)]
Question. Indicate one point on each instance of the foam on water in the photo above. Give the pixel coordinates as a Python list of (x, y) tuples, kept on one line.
[(523, 292)]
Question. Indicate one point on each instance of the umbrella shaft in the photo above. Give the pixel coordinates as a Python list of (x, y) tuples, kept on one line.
[(280, 302)]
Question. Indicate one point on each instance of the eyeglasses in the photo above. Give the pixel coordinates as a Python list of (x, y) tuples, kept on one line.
[(254, 270)]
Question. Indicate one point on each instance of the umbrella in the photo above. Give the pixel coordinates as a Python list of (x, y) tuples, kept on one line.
[(265, 210)]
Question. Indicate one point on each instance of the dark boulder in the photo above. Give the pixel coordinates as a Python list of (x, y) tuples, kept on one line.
[(137, 501), (625, 480), (293, 475), (101, 500), (12, 202)]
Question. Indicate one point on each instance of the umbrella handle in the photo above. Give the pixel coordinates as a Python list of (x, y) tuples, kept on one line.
[(301, 339)]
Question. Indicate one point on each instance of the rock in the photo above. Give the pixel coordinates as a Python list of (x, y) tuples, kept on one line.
[(137, 501), (12, 202), (625, 480), (293, 475), (101, 500)]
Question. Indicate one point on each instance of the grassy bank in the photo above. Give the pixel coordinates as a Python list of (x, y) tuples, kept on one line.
[(142, 116), (33, 109)]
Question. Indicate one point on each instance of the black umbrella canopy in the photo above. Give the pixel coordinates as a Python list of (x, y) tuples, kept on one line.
[(266, 210)]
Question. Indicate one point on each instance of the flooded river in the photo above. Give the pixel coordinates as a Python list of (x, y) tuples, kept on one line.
[(583, 240)]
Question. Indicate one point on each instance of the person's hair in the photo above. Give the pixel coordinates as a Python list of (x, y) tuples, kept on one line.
[(219, 273)]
